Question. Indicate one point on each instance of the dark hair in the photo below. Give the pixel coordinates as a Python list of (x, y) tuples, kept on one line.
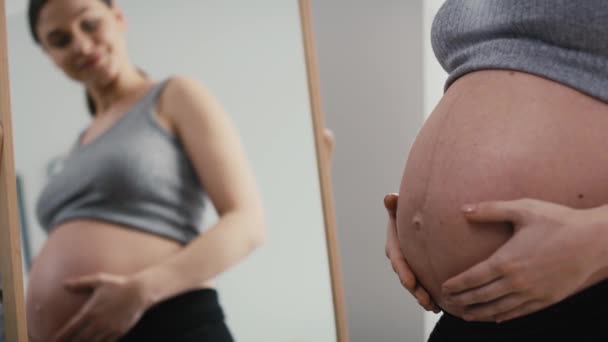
[(33, 13)]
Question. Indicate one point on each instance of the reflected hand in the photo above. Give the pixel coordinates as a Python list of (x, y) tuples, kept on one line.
[(115, 305), (547, 259), (398, 262)]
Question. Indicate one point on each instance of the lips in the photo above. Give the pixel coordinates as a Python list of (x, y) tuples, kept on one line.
[(91, 62)]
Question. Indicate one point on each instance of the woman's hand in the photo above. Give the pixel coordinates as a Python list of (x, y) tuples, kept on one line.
[(398, 262), (550, 255), (116, 304)]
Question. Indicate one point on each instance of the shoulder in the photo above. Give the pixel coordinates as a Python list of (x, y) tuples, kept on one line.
[(179, 88), (183, 96)]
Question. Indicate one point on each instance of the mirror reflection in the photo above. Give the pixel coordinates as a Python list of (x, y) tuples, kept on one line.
[(167, 172)]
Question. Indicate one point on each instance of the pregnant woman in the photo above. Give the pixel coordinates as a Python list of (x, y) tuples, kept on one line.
[(501, 219), (125, 258)]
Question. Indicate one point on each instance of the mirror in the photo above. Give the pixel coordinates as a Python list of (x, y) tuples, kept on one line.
[(257, 59)]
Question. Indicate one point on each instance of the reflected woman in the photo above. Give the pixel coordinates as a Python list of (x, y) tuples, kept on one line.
[(125, 258)]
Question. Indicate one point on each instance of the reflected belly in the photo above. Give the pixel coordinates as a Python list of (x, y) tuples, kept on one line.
[(79, 248), (495, 135)]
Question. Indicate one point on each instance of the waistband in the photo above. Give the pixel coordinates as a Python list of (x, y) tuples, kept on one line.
[(185, 312)]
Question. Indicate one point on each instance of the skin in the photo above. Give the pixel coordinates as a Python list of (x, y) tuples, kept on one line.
[(109, 303), (567, 244), (557, 243), (398, 262), (508, 284)]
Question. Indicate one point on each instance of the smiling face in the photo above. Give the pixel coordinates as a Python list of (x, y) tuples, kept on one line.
[(85, 38)]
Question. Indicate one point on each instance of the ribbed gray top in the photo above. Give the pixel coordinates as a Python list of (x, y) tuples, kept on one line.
[(134, 174), (562, 40)]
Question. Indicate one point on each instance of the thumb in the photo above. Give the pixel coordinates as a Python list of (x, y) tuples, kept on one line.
[(496, 211), (390, 203)]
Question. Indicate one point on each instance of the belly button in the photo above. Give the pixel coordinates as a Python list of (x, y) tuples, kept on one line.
[(417, 221)]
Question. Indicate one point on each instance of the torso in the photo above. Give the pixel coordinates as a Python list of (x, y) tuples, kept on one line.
[(495, 135), (83, 247), (103, 122)]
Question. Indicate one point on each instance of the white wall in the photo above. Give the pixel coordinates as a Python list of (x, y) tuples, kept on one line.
[(250, 55), (12, 7), (370, 59)]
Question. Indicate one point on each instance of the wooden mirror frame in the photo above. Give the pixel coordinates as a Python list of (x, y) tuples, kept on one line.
[(10, 236)]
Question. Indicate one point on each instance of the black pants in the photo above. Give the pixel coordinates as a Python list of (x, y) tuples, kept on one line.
[(193, 316), (580, 318)]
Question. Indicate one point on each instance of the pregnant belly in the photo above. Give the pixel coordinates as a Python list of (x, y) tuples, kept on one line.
[(495, 135), (79, 248)]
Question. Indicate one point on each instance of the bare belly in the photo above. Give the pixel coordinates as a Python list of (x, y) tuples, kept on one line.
[(496, 135), (78, 248)]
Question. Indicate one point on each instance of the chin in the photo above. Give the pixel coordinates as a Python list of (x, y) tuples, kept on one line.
[(99, 79)]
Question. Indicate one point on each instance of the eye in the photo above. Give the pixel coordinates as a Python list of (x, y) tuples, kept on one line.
[(60, 40), (90, 25)]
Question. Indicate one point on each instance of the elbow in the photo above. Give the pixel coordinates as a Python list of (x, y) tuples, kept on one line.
[(250, 226), (258, 231), (258, 237)]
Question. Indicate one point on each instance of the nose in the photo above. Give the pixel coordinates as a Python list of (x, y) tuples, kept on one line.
[(81, 44)]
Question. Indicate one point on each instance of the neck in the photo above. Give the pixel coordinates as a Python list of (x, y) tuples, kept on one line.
[(127, 82)]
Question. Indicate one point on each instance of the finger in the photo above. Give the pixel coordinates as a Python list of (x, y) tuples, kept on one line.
[(75, 325), (524, 309), (104, 337), (98, 336), (72, 330), (398, 262), (90, 333), (423, 297), (431, 305), (75, 334), (481, 274), (497, 211), (406, 276), (434, 307), (390, 203), (112, 337), (484, 294), (488, 311), (391, 238), (87, 282)]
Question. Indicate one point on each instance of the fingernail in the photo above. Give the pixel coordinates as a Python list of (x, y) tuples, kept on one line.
[(468, 208), (502, 319)]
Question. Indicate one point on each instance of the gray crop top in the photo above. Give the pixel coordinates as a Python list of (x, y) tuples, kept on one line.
[(134, 174), (562, 40)]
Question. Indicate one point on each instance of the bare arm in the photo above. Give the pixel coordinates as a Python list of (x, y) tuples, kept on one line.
[(213, 145)]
